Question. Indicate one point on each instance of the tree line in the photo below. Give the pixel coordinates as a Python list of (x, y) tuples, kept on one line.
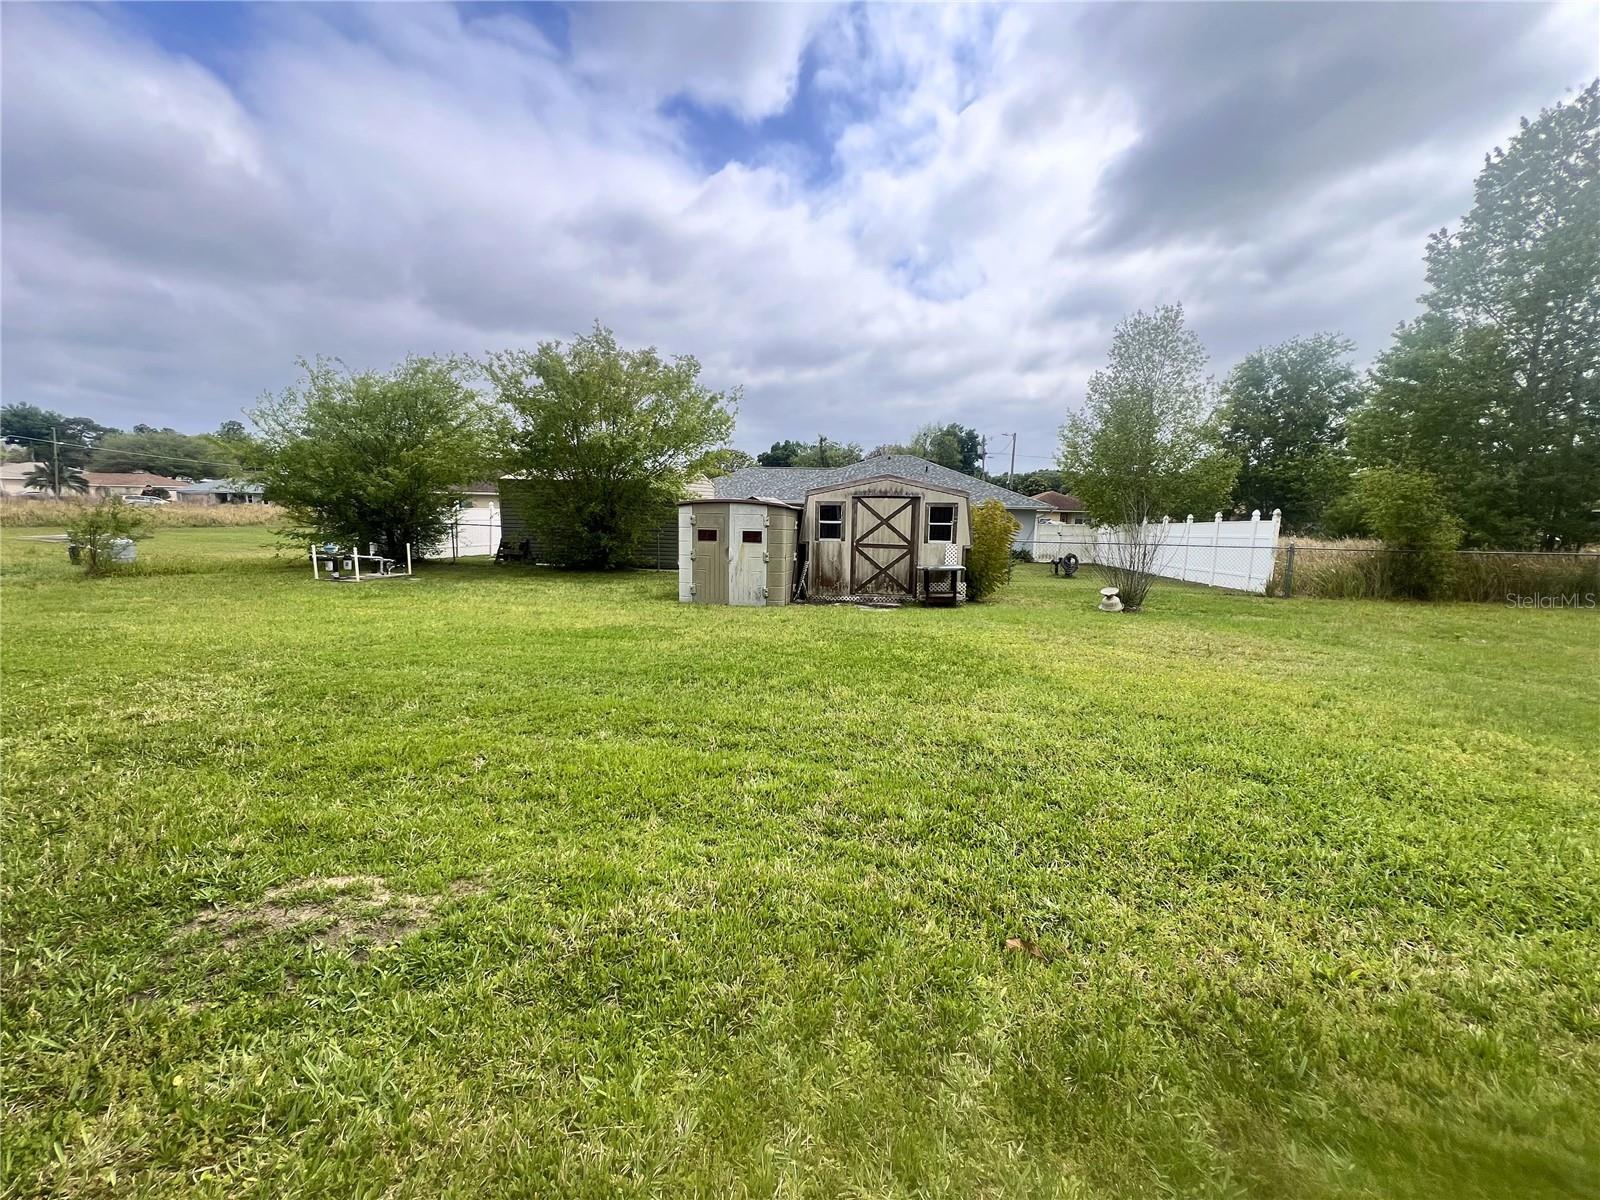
[(63, 448), (1478, 425)]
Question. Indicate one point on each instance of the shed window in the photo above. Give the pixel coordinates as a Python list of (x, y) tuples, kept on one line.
[(705, 535), (751, 535), (941, 522), (830, 522)]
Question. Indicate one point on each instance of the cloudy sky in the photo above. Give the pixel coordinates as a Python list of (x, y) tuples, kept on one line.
[(870, 217)]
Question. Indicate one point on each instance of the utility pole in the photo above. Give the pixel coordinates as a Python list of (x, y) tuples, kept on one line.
[(55, 463), (1011, 475), (983, 457)]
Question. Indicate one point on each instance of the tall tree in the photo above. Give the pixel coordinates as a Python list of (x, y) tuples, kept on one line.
[(1496, 389), (1031, 483), (165, 452), (1144, 445), (1283, 417), (782, 454), (727, 461), (48, 434), (954, 446), (377, 457), (607, 438), (825, 452), (54, 476)]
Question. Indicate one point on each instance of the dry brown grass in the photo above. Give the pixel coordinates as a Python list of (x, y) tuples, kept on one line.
[(1358, 569), (17, 511), (348, 912)]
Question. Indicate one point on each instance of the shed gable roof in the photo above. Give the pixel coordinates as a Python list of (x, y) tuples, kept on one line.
[(792, 483)]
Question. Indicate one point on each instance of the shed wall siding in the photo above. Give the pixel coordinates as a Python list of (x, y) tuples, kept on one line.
[(830, 560), (659, 550), (685, 554), (780, 554)]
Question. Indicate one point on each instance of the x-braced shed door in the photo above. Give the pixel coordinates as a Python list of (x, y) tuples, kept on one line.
[(883, 546)]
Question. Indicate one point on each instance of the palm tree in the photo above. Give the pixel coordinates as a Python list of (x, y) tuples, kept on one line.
[(47, 478)]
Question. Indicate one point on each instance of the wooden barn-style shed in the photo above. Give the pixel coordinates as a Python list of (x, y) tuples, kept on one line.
[(874, 538)]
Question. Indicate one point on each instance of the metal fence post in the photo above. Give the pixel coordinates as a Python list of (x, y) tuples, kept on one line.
[(1288, 572)]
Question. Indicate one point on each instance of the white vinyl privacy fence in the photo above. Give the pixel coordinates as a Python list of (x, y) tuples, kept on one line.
[(1225, 554)]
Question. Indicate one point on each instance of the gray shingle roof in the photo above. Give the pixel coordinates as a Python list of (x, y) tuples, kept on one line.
[(206, 487), (792, 483)]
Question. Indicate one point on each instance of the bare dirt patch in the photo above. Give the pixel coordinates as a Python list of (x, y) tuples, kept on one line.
[(354, 913)]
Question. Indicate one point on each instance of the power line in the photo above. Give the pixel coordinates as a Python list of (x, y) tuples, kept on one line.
[(147, 454)]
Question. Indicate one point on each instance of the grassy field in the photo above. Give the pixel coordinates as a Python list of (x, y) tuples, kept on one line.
[(507, 882)]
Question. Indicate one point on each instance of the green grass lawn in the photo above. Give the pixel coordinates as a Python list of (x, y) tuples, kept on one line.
[(507, 882)]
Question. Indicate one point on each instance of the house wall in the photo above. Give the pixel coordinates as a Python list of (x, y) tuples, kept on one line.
[(1027, 520), (659, 550), (830, 560)]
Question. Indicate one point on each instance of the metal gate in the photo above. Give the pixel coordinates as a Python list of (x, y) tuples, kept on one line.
[(883, 543)]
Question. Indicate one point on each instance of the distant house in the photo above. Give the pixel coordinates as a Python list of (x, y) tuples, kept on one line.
[(220, 491), (104, 485), (14, 478), (1068, 510)]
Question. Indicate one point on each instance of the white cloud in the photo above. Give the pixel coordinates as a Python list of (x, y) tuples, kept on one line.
[(376, 182), (743, 57)]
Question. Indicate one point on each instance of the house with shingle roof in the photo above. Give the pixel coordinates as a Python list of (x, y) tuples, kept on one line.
[(793, 484)]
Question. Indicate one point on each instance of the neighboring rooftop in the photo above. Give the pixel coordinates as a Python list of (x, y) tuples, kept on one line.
[(232, 487), (131, 479), (1061, 502), (792, 483)]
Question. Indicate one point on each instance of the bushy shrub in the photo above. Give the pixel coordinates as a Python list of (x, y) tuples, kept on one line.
[(1420, 534), (989, 565), (1346, 518), (100, 528)]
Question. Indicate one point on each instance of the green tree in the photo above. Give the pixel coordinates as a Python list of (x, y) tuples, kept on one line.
[(607, 439), (377, 457), (825, 452), (165, 452), (97, 532), (28, 422), (954, 446), (1145, 445), (74, 437), (1031, 483), (1436, 399), (782, 454), (1408, 512), (55, 477), (989, 563), (1283, 417), (1495, 391), (727, 461)]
